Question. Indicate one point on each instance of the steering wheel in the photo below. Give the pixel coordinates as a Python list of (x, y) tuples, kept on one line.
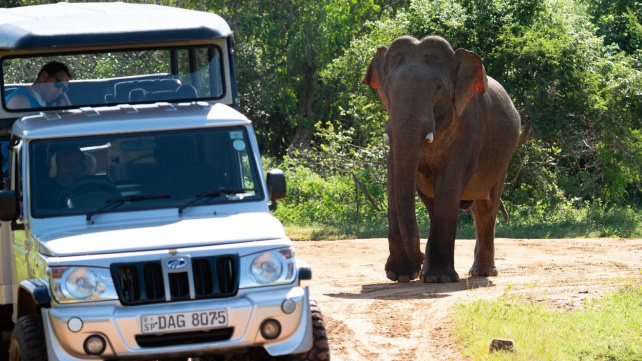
[(94, 191)]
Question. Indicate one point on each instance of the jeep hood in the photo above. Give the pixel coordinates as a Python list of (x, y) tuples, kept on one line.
[(163, 235)]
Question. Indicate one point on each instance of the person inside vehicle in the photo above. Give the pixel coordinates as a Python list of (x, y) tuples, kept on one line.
[(49, 89), (67, 168)]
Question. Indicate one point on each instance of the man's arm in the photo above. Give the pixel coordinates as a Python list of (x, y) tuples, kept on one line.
[(19, 101)]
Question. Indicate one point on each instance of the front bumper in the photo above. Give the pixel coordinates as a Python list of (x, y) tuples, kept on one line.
[(120, 327)]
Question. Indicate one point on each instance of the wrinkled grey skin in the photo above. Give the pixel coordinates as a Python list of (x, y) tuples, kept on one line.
[(452, 132)]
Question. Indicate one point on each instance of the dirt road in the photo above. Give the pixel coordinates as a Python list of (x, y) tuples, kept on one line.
[(371, 318)]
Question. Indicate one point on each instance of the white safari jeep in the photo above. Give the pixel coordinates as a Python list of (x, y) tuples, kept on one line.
[(135, 213)]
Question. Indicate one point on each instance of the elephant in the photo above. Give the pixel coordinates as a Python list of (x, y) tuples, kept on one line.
[(452, 131)]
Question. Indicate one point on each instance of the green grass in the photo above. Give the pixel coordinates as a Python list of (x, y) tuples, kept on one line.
[(625, 222), (609, 328)]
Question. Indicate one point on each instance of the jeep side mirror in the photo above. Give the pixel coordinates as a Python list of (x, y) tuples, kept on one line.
[(9, 206), (276, 187)]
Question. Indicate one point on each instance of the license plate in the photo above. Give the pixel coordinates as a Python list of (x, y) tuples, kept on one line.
[(183, 321)]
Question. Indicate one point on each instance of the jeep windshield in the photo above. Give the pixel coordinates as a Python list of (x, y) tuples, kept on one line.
[(146, 75), (137, 171)]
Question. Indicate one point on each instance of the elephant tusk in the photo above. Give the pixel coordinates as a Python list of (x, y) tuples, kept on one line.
[(430, 137), (386, 139)]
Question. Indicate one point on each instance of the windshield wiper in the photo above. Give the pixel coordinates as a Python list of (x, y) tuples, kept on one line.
[(117, 202), (213, 194)]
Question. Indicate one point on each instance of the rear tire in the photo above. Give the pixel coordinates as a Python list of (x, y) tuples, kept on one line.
[(28, 340)]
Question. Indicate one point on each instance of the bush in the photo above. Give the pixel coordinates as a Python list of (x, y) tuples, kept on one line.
[(331, 206)]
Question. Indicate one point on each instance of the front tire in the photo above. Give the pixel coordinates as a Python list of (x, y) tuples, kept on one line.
[(6, 326), (28, 340), (320, 350)]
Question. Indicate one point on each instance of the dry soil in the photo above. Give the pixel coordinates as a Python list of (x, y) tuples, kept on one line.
[(371, 318)]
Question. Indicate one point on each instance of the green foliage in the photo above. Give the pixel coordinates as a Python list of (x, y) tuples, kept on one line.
[(577, 96), (336, 184), (334, 202), (619, 22), (601, 331), (282, 48)]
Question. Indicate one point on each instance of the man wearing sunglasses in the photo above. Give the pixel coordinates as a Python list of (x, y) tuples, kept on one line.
[(49, 89)]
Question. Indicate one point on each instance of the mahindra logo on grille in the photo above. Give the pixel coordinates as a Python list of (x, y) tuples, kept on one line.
[(176, 263)]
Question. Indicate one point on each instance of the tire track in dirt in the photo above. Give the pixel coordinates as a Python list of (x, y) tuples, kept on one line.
[(371, 318)]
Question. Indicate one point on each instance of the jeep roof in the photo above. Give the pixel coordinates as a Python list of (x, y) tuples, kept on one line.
[(118, 53), (65, 25)]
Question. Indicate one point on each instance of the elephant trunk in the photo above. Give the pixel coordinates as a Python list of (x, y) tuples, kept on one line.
[(408, 136)]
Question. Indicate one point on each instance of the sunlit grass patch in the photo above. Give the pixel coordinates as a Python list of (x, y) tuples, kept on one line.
[(608, 328)]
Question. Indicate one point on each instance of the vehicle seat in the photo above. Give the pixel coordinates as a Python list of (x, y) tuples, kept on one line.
[(183, 92), (123, 89), (186, 91)]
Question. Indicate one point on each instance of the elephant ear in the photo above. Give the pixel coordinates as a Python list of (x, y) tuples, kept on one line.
[(471, 79), (376, 76)]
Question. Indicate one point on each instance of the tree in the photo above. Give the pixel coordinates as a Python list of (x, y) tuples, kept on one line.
[(282, 46), (619, 22)]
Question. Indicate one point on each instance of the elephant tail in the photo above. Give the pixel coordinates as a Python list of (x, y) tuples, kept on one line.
[(503, 209)]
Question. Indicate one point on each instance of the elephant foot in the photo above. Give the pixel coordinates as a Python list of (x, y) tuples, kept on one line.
[(439, 276), (402, 273), (482, 271)]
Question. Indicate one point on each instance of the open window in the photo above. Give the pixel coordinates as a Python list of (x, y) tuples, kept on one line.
[(172, 74)]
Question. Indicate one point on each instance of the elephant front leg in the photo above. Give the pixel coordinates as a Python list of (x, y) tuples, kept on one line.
[(399, 267), (439, 263), (485, 214)]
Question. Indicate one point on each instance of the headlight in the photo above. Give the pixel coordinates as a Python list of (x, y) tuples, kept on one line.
[(268, 268), (81, 284)]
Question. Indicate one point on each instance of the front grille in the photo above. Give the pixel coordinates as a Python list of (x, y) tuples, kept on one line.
[(176, 279)]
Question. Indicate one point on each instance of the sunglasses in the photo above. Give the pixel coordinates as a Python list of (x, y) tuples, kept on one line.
[(60, 85)]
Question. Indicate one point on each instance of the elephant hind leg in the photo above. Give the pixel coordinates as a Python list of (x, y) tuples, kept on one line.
[(484, 214)]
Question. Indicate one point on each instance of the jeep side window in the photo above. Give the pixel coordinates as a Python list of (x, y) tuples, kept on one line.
[(203, 72)]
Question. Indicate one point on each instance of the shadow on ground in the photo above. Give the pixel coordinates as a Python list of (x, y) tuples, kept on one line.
[(415, 289)]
